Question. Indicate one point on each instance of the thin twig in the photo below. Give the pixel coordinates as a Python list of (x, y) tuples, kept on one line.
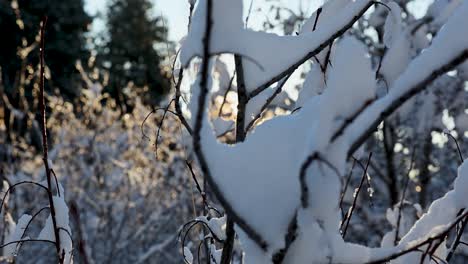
[(458, 146), (32, 219), (289, 238), (369, 186), (400, 207), (143, 134), (456, 242), (225, 95), (199, 189), (345, 188), (45, 146), (303, 173), (160, 127), (353, 206), (278, 90), (177, 106), (26, 240), (17, 184)]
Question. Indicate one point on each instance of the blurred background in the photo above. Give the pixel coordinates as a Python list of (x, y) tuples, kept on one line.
[(107, 67)]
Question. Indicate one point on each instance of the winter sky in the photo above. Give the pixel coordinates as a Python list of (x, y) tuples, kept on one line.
[(176, 12)]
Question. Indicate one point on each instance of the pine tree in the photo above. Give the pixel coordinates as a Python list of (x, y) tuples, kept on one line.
[(65, 35), (130, 54), (19, 53)]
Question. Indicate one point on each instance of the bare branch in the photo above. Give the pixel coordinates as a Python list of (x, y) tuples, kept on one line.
[(225, 95), (228, 243), (400, 207), (177, 102), (45, 147), (278, 90), (242, 99), (346, 221)]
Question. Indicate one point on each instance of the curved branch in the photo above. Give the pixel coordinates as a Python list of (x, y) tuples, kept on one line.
[(250, 231), (278, 90), (32, 218), (177, 102), (401, 99), (346, 221), (416, 246), (314, 52), (17, 184), (27, 240)]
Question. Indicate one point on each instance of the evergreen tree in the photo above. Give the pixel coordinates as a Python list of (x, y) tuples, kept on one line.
[(65, 35), (130, 54), (19, 53)]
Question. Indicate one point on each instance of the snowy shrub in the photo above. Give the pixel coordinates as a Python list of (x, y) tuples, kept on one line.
[(126, 196), (390, 84), (125, 201)]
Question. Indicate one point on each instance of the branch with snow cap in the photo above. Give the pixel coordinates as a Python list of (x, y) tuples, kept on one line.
[(442, 56), (334, 134), (229, 36)]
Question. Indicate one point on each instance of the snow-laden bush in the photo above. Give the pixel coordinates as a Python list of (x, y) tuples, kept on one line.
[(280, 183), (126, 197)]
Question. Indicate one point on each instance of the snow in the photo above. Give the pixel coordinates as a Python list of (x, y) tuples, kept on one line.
[(441, 11), (377, 18), (397, 41), (393, 24), (254, 106), (314, 84), (350, 85), (221, 126), (216, 225), (62, 220), (350, 80), (229, 36), (327, 14), (439, 214), (17, 234), (269, 173), (447, 44), (463, 70), (215, 254), (188, 255), (260, 176), (392, 216), (47, 232), (461, 186), (438, 218)]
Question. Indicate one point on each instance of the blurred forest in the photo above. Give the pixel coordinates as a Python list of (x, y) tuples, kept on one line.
[(99, 89), (119, 149)]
